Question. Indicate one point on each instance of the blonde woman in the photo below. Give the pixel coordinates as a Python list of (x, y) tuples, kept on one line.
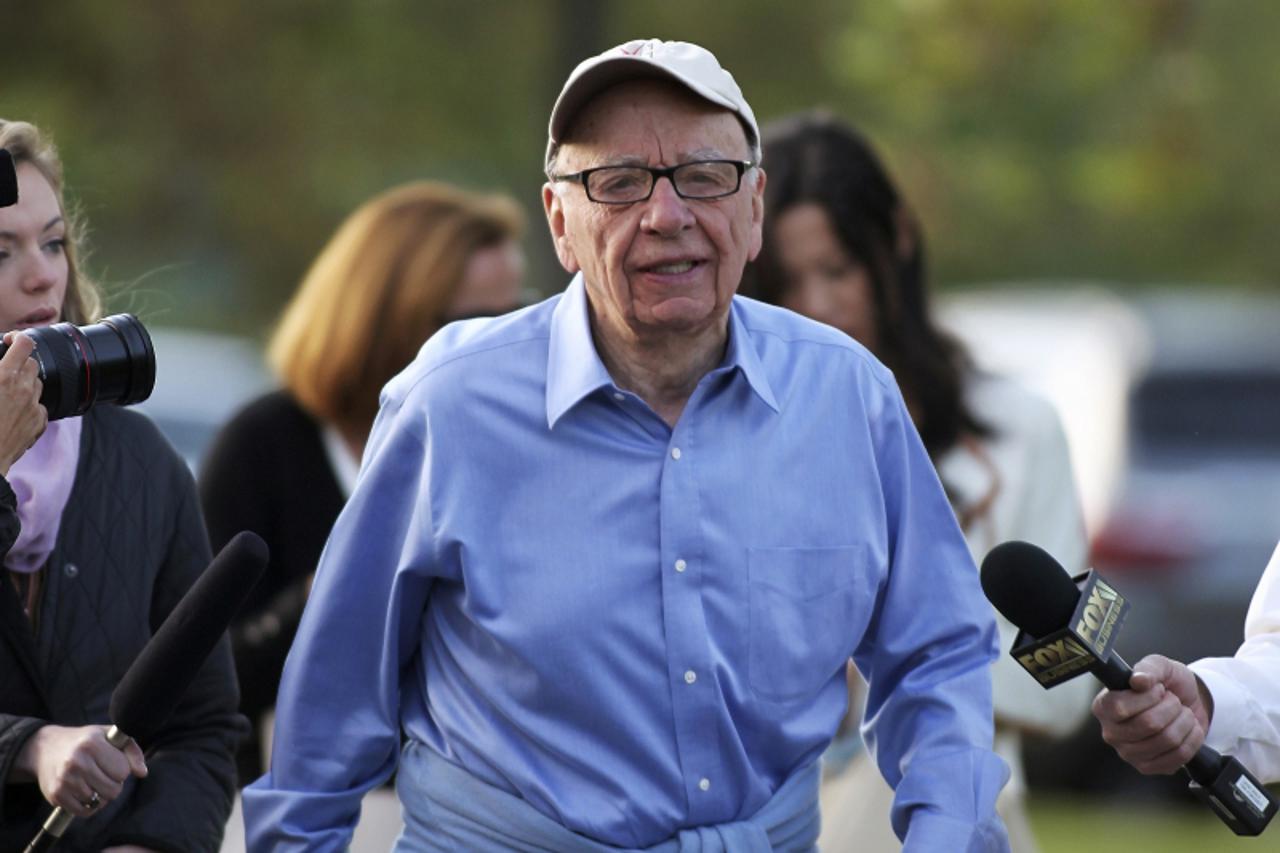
[(404, 264), (101, 535)]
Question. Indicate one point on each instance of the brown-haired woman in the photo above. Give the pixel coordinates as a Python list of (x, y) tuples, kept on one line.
[(101, 536), (400, 267)]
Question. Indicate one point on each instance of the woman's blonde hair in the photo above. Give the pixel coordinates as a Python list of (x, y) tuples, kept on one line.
[(380, 287), (25, 143)]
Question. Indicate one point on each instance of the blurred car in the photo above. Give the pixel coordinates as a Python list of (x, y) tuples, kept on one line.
[(1199, 511), (202, 378), (1171, 405), (1196, 509)]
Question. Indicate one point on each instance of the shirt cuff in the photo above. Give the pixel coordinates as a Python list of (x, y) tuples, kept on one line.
[(948, 802), (931, 832), (1230, 703), (285, 821)]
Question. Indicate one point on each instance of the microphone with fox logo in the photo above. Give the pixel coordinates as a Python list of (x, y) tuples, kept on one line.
[(1068, 627)]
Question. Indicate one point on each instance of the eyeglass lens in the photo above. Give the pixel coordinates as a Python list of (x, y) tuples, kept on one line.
[(692, 180)]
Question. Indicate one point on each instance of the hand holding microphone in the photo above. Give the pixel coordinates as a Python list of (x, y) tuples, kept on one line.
[(1067, 631), (1161, 721), (77, 768), (159, 676)]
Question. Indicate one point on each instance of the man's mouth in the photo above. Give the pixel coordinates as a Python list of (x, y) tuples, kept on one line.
[(671, 268)]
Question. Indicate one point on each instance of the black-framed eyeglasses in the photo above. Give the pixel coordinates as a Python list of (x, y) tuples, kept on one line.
[(699, 180)]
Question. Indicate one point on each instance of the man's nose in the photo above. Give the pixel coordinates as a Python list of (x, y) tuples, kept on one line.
[(666, 212)]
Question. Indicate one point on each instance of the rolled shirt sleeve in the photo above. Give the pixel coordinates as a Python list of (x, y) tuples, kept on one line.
[(927, 661), (337, 730)]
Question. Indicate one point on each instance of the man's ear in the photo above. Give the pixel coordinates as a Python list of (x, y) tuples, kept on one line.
[(553, 205), (757, 215)]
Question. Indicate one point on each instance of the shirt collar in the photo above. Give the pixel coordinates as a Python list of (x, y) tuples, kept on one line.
[(742, 355), (574, 368)]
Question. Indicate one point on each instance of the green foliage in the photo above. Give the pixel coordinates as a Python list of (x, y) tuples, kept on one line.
[(1064, 825), (215, 146)]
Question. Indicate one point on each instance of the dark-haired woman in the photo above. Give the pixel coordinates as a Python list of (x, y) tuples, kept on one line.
[(843, 247)]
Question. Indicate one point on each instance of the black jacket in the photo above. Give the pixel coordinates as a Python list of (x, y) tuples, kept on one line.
[(268, 472), (131, 543)]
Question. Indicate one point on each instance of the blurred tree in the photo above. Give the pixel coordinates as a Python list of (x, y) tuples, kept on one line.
[(1090, 139), (215, 146)]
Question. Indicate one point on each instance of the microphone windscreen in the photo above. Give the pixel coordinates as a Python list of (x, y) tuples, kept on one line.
[(8, 180), (1029, 587), (163, 670)]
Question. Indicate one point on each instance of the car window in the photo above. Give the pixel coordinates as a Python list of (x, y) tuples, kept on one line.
[(1232, 411)]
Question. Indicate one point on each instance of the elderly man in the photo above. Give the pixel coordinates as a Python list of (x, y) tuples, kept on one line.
[(1233, 704), (608, 555)]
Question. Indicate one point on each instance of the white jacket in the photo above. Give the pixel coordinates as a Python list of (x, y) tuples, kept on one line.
[(1246, 687), (1027, 470)]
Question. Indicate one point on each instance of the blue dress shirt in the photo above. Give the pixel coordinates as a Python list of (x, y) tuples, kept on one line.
[(634, 628)]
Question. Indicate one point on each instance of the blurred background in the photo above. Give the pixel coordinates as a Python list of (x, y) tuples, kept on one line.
[(214, 146), (1096, 182)]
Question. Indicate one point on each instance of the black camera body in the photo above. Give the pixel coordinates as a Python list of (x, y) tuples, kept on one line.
[(112, 361), (8, 180), (109, 362)]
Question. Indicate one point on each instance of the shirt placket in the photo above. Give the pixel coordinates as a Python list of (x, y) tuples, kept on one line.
[(693, 688)]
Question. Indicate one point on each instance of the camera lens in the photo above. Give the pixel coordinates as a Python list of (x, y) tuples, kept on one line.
[(108, 362)]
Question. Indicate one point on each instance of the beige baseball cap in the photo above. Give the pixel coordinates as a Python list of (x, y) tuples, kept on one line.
[(692, 66)]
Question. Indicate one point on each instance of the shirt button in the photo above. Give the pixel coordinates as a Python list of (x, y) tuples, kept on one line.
[(675, 453), (690, 676), (619, 396), (681, 565), (70, 570), (704, 784)]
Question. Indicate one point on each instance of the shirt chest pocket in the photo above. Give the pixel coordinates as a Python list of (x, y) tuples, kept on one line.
[(808, 609)]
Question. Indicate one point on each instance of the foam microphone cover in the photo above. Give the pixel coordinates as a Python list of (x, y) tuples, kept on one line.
[(1029, 587), (161, 673), (8, 180)]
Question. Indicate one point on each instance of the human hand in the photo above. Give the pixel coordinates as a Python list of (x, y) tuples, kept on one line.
[(77, 768), (22, 418), (1161, 722)]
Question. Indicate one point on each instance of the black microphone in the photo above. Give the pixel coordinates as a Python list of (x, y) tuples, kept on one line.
[(1067, 630), (160, 675), (8, 179)]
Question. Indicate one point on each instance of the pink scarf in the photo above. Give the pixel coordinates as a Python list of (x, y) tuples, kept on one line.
[(41, 479)]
